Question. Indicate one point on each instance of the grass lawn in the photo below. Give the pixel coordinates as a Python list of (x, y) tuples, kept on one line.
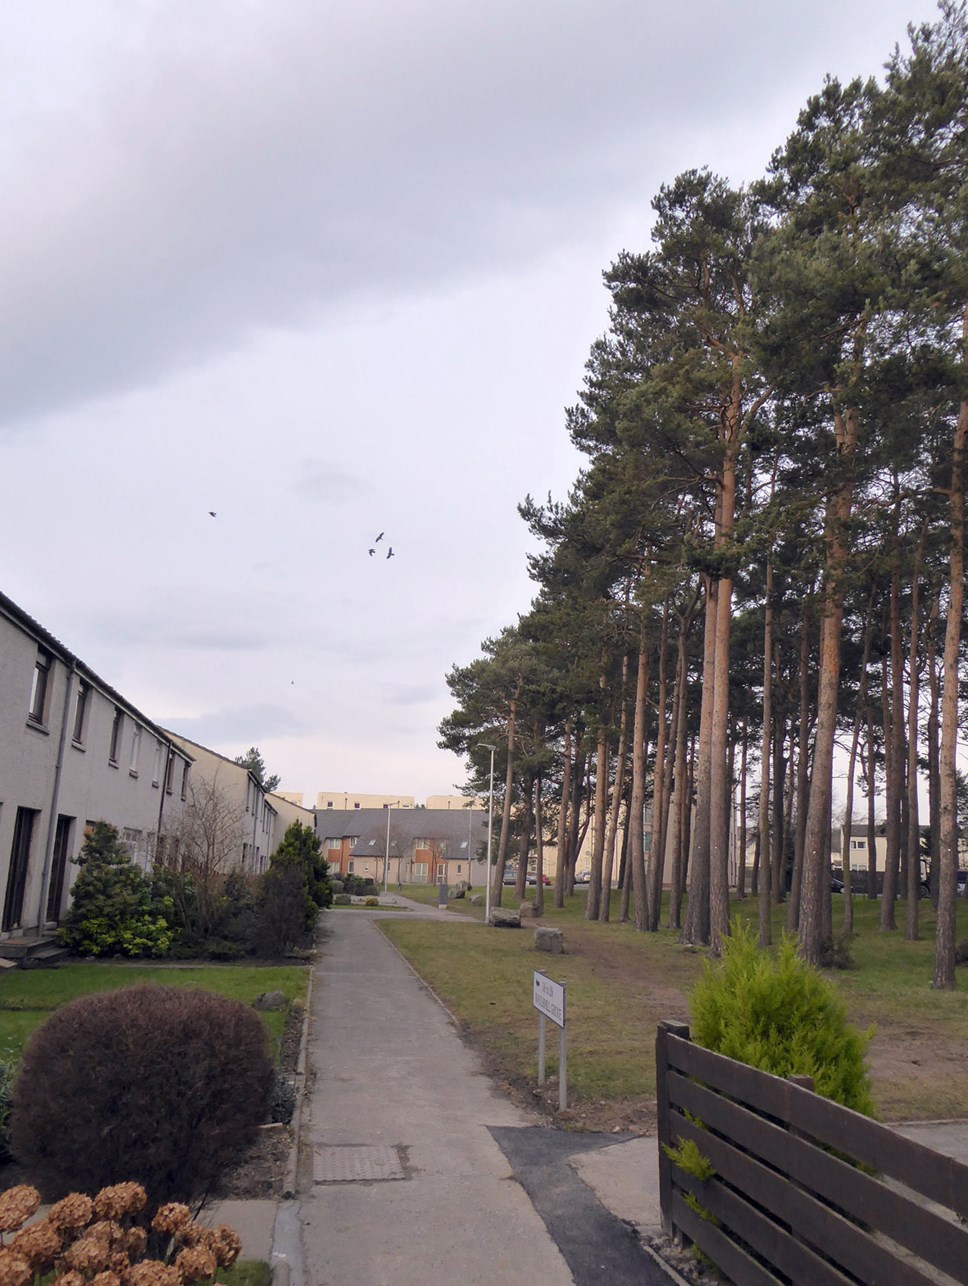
[(622, 983), (29, 996)]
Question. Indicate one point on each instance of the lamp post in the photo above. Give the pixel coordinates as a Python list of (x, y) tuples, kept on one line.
[(490, 832), (386, 855)]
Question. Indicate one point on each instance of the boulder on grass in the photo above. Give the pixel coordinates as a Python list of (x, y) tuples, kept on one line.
[(271, 1000), (501, 918), (477, 899), (551, 940), (529, 911)]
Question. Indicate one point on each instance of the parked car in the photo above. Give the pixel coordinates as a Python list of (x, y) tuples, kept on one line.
[(583, 877), (510, 877)]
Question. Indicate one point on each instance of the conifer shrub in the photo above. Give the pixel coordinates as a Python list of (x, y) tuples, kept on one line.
[(777, 1013), (163, 1085), (114, 910)]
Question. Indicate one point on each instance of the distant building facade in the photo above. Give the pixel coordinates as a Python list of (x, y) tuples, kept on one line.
[(426, 846)]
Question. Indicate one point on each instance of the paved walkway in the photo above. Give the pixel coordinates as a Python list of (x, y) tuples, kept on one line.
[(414, 1169)]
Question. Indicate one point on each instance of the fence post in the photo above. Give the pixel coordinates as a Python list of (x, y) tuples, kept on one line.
[(665, 1030)]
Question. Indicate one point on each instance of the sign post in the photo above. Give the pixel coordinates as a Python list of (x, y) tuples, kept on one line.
[(549, 998)]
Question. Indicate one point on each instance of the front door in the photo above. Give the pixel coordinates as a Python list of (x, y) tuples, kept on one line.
[(62, 841), (13, 904)]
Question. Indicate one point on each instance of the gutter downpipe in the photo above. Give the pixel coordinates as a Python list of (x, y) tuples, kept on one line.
[(54, 802)]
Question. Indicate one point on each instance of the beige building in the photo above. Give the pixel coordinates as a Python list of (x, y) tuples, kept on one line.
[(345, 799), (252, 819)]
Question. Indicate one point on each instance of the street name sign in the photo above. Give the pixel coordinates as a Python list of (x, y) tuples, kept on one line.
[(549, 998)]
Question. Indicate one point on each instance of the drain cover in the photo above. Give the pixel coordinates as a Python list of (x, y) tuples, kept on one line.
[(356, 1165)]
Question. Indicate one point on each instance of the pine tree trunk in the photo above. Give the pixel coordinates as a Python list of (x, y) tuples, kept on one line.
[(793, 910), (635, 857), (497, 877), (601, 803), (660, 786), (945, 942), (871, 793), (539, 843), (618, 790), (741, 869), (680, 794), (764, 872), (934, 749), (561, 874), (696, 929), (816, 881), (912, 931)]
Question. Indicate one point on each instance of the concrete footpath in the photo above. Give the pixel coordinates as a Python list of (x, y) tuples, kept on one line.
[(415, 1169)]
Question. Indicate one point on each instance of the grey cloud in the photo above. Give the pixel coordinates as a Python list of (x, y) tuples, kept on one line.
[(251, 725), (258, 171)]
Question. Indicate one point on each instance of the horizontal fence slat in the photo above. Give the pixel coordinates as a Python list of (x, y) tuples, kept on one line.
[(834, 1236), (938, 1177), (779, 1247), (725, 1254), (933, 1238)]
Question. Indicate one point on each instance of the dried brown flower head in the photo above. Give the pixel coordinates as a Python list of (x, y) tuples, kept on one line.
[(226, 1244), (152, 1272), (17, 1205), (107, 1278), (195, 1262), (120, 1199), (171, 1218), (40, 1243), (70, 1278), (73, 1211), (106, 1230), (14, 1269), (89, 1254), (135, 1240)]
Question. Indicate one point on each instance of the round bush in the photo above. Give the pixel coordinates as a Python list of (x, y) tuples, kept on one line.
[(777, 1013), (163, 1085), (372, 902), (342, 899)]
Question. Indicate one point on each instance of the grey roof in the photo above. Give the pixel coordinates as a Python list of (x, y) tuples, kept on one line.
[(447, 826), (15, 613)]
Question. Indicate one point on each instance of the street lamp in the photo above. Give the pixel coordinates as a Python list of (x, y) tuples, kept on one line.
[(386, 855), (490, 831)]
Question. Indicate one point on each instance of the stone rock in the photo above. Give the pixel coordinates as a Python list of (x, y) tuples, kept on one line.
[(529, 911), (271, 1000), (551, 940), (477, 899), (501, 918)]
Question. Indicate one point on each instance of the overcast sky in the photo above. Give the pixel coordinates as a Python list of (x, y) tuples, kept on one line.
[(330, 270)]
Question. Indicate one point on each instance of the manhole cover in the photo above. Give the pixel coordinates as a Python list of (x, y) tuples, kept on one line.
[(356, 1164)]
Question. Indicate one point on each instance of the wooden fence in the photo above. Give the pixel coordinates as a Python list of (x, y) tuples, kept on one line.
[(805, 1191)]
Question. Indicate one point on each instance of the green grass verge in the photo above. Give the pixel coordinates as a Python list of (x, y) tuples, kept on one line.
[(29, 996), (622, 983)]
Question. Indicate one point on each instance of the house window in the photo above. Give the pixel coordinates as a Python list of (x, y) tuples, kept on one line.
[(117, 729), (329, 803), (420, 870), (458, 868), (38, 690), (184, 785), (135, 750), (170, 773), (356, 805), (331, 842), (349, 867), (156, 770), (80, 712)]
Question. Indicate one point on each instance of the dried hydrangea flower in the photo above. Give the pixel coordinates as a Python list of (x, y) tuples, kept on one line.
[(120, 1199), (73, 1211), (195, 1262), (106, 1230), (89, 1254), (107, 1278), (226, 1245), (72, 1278), (135, 1240), (171, 1218), (40, 1243), (152, 1272), (17, 1205), (14, 1270)]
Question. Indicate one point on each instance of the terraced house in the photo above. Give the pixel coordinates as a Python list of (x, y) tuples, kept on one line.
[(73, 750)]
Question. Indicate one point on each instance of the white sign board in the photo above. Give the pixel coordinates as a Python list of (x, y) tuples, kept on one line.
[(549, 998)]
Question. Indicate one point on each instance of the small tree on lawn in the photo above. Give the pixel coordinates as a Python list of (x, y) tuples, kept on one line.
[(201, 850), (294, 889)]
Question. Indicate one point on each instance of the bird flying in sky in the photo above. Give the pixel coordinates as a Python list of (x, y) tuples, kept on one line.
[(211, 513), (390, 552), (379, 538)]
